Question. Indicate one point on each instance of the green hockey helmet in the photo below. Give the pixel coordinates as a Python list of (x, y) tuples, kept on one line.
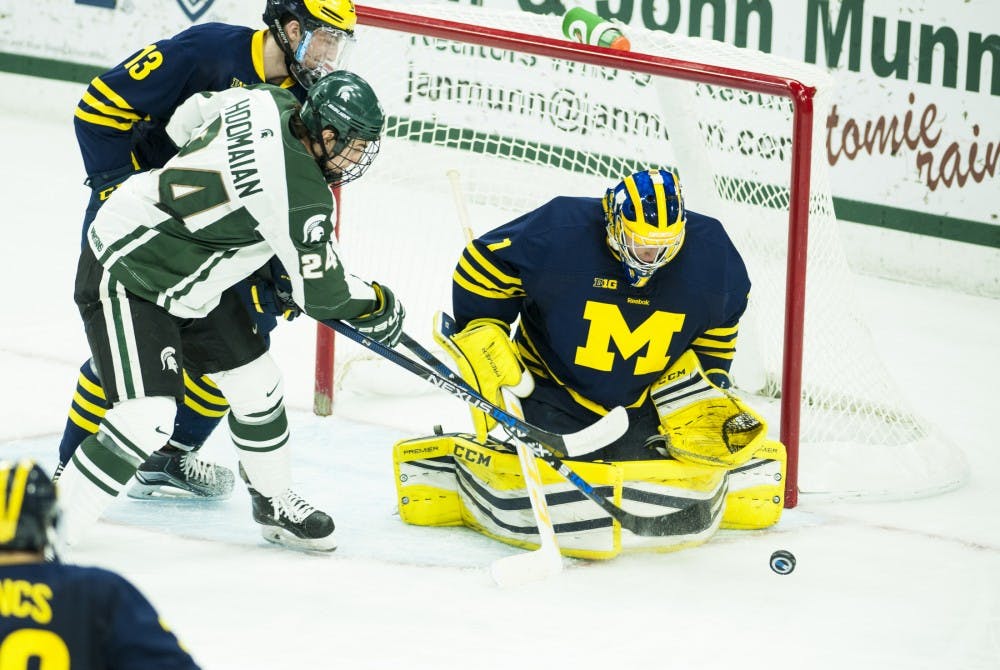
[(344, 102)]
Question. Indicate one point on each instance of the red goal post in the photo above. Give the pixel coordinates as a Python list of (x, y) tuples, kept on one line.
[(787, 385)]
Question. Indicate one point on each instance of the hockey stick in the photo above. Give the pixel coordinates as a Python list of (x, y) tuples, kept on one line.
[(604, 431), (460, 209), (546, 561), (690, 519)]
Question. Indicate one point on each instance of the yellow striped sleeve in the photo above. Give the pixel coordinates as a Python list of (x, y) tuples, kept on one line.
[(472, 251), (91, 388)]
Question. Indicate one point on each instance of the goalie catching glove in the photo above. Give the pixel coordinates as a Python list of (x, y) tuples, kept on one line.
[(487, 361), (703, 423), (384, 324)]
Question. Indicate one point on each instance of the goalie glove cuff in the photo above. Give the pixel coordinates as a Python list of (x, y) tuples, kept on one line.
[(703, 423)]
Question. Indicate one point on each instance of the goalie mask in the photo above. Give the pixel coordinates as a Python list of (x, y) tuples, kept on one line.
[(28, 511), (327, 35), (346, 104), (645, 222)]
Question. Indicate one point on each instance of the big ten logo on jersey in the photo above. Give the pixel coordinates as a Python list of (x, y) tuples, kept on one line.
[(472, 455), (607, 325), (600, 282)]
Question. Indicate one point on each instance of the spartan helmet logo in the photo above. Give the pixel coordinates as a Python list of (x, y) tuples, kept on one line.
[(168, 358), (312, 230)]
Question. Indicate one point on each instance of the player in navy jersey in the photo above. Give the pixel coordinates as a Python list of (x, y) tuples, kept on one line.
[(67, 616), (120, 127), (610, 293)]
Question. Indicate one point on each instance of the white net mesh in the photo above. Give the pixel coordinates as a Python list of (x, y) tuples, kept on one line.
[(520, 129)]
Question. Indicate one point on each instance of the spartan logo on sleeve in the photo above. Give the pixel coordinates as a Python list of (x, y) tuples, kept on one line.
[(312, 230), (168, 358)]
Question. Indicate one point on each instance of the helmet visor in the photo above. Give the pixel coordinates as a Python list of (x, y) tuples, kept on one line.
[(322, 50)]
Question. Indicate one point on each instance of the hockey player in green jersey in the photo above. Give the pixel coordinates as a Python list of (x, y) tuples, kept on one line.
[(120, 124), (250, 181)]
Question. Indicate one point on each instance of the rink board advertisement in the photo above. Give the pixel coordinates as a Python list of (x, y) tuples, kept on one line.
[(912, 138)]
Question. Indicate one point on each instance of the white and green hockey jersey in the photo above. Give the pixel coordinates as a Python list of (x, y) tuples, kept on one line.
[(241, 189)]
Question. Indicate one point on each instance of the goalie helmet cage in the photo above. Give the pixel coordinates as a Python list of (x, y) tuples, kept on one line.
[(524, 115)]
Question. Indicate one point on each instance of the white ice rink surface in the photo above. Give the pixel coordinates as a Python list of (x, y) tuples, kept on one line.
[(878, 585)]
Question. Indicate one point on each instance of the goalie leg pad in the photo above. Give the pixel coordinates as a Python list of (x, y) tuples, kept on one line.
[(452, 479), (757, 489), (703, 423), (486, 360)]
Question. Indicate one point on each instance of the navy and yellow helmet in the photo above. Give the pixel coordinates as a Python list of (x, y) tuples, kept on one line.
[(645, 222), (327, 35), (28, 510)]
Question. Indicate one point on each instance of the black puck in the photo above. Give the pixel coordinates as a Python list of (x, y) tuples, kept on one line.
[(783, 562)]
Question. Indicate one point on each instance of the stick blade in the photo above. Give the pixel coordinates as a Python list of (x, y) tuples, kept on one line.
[(531, 566), (599, 434)]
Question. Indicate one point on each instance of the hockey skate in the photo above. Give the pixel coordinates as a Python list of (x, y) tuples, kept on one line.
[(176, 474), (290, 521)]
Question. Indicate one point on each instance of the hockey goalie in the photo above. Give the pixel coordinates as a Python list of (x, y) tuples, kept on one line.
[(627, 300)]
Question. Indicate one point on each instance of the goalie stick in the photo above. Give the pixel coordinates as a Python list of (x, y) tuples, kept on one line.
[(689, 519)]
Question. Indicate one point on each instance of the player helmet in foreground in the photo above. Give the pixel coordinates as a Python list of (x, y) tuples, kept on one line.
[(28, 511), (327, 35), (645, 221), (346, 104)]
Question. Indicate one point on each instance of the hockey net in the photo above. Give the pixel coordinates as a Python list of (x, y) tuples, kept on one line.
[(517, 115)]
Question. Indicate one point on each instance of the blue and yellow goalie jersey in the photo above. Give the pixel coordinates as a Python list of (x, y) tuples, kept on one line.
[(68, 616), (121, 118), (583, 326)]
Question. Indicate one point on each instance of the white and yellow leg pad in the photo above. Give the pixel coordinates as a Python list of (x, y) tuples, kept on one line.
[(450, 480), (757, 489), (703, 423)]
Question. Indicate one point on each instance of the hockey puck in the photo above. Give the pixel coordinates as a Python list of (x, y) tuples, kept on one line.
[(783, 562)]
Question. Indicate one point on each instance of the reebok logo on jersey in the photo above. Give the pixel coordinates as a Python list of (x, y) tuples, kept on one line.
[(636, 301), (605, 283), (168, 358)]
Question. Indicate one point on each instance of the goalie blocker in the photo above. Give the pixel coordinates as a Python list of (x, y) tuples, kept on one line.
[(452, 479)]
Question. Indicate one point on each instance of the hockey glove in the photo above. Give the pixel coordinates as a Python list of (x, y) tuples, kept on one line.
[(384, 324), (151, 146), (487, 361), (702, 423), (270, 299), (271, 291)]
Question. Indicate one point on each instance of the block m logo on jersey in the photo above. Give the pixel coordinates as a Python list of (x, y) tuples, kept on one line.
[(607, 325)]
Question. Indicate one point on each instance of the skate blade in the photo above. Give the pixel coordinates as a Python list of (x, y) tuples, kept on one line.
[(283, 538), (140, 491)]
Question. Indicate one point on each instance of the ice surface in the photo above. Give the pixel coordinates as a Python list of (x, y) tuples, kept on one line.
[(891, 585)]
